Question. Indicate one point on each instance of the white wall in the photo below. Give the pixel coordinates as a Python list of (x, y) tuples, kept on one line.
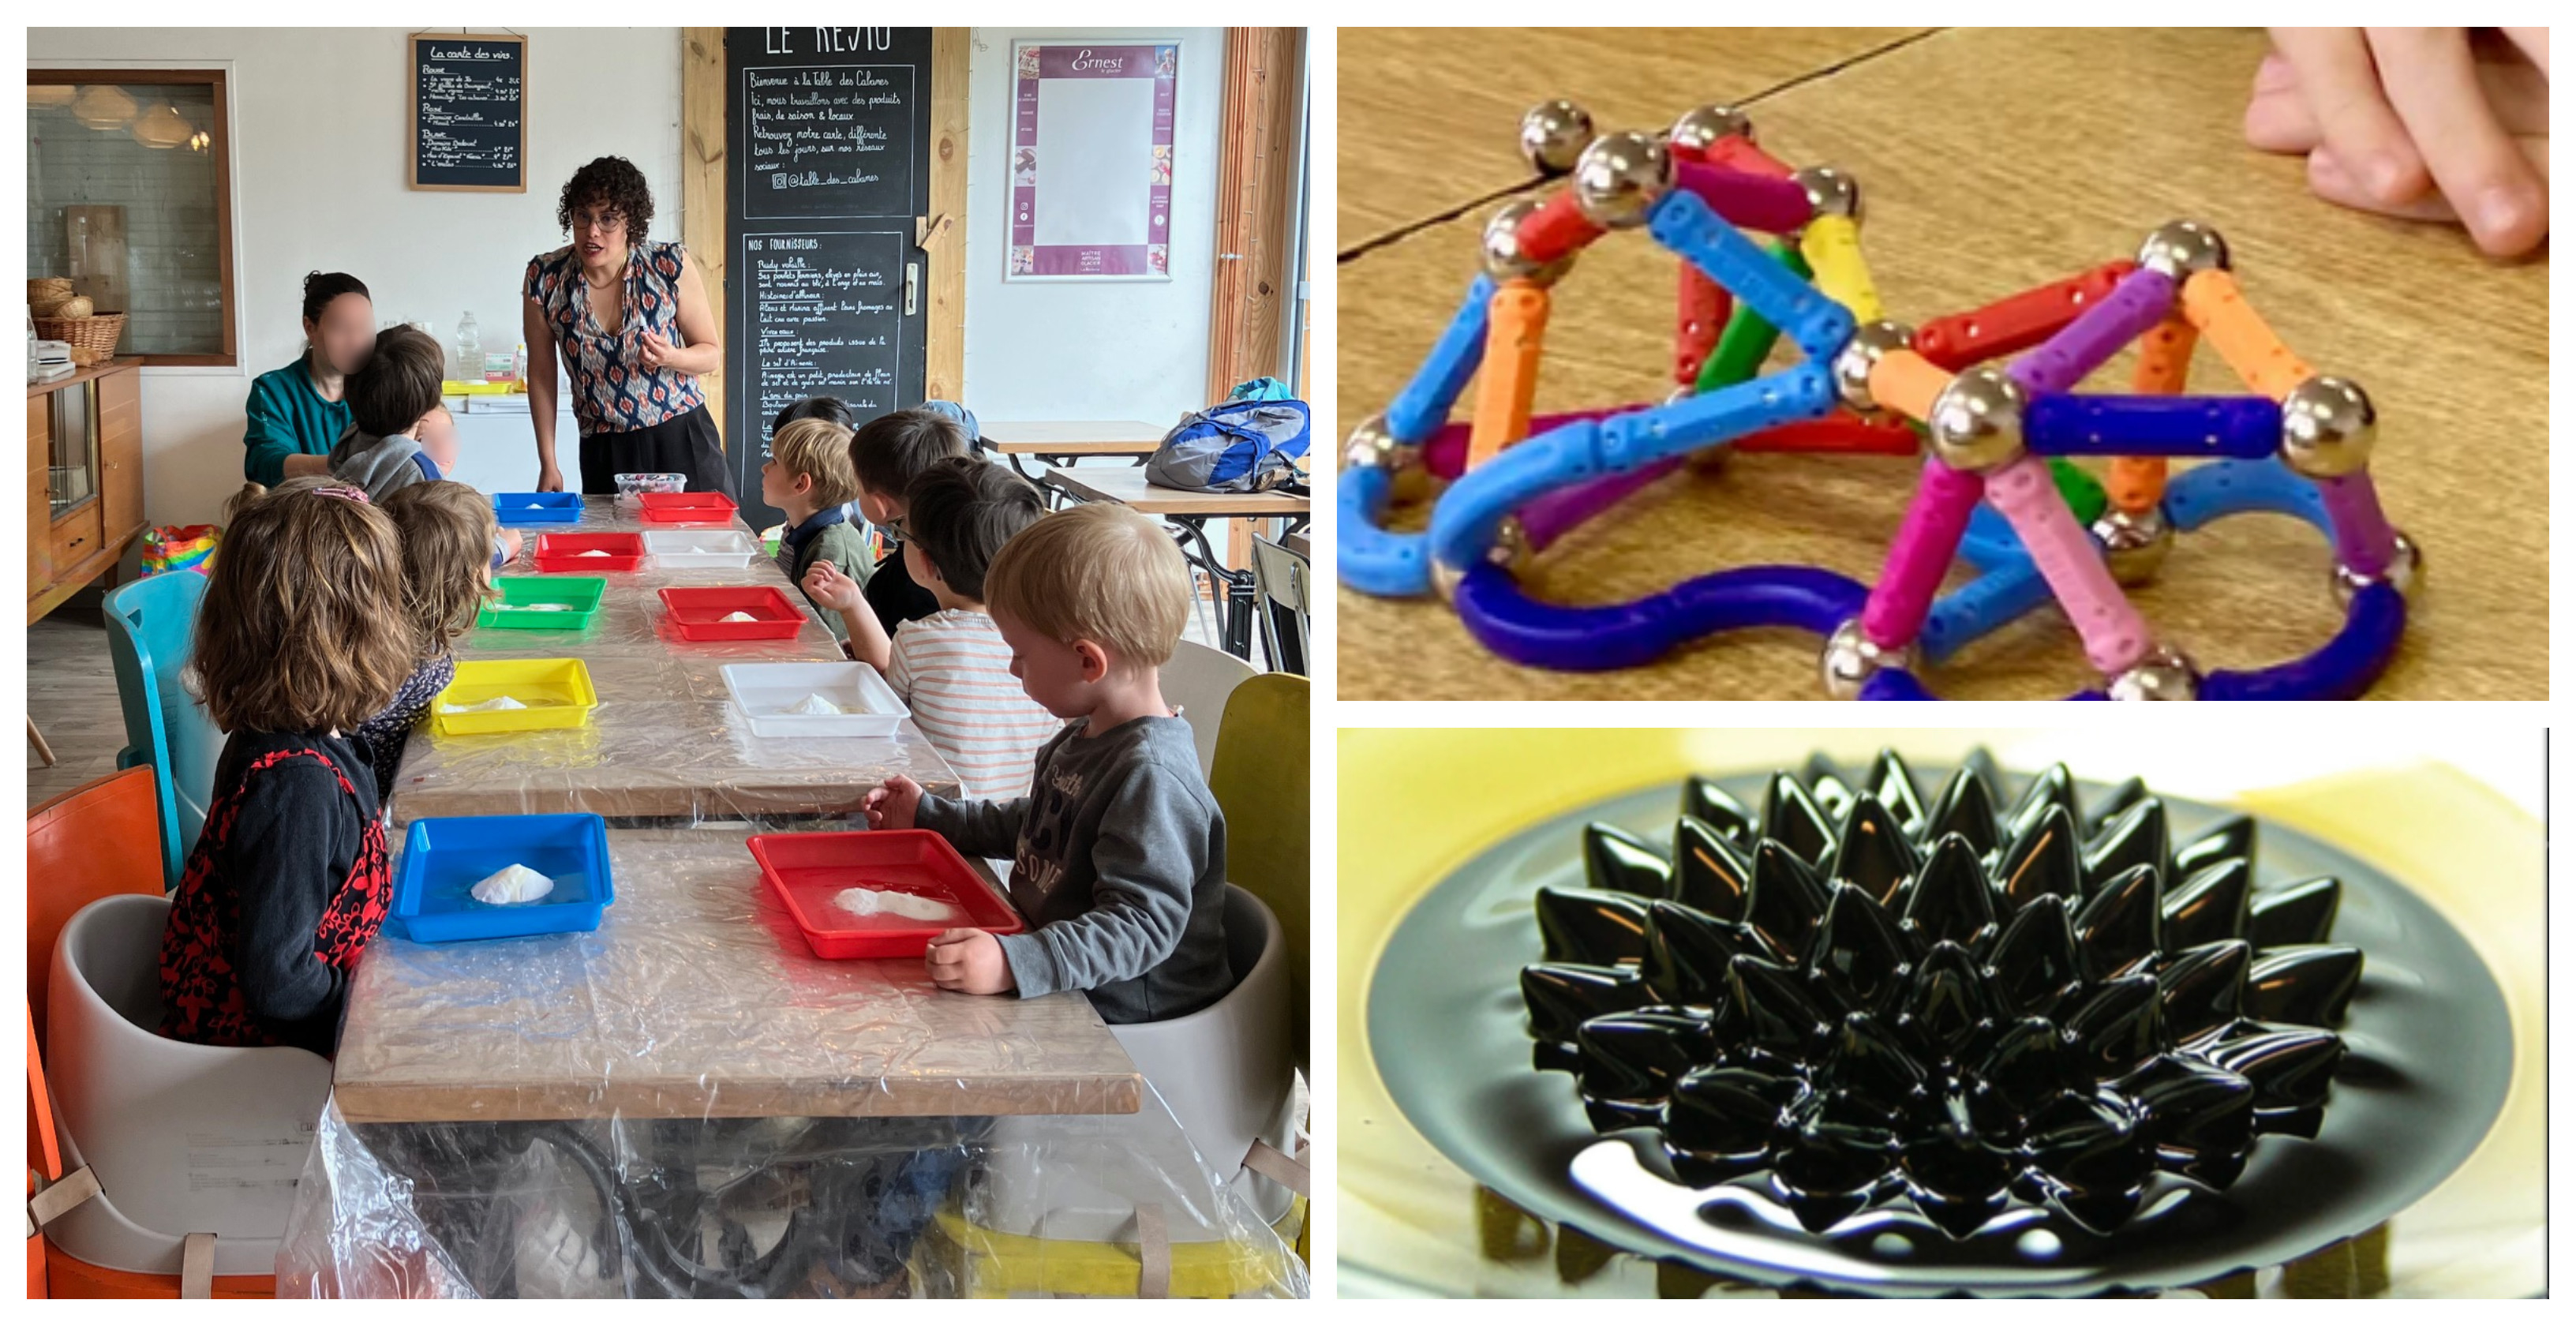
[(318, 170), (1090, 350)]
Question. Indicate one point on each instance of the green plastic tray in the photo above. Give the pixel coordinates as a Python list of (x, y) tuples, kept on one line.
[(514, 610)]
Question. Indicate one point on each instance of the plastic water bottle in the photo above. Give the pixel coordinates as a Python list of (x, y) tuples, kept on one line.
[(469, 350)]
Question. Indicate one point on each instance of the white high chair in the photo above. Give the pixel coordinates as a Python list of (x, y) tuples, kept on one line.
[(1227, 1073), (184, 1139)]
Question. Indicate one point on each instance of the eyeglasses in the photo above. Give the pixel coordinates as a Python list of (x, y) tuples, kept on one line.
[(895, 528), (603, 222)]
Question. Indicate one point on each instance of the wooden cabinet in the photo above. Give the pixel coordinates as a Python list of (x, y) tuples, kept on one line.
[(84, 479)]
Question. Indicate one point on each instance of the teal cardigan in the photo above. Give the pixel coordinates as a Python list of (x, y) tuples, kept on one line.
[(287, 418)]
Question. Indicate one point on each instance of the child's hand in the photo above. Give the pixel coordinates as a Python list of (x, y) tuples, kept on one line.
[(828, 588), (969, 962), (2387, 116), (511, 542), (892, 805)]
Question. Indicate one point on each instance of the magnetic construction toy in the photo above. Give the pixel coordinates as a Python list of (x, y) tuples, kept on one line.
[(1996, 488), (1868, 1001)]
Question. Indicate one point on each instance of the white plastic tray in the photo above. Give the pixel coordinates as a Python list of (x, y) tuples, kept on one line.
[(719, 549), (761, 690)]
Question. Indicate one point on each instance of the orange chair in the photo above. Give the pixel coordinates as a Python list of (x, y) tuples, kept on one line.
[(99, 839)]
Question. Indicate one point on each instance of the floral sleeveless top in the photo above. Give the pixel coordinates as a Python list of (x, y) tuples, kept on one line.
[(612, 391)]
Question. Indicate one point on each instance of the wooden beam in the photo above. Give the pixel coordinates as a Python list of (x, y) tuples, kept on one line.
[(1256, 186), (943, 232), (1257, 147), (702, 179)]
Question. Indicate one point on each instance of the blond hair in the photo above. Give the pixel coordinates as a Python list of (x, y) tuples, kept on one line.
[(1099, 572), (447, 532), (819, 450), (302, 628)]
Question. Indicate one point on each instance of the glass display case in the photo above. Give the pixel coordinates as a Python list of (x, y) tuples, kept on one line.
[(71, 458)]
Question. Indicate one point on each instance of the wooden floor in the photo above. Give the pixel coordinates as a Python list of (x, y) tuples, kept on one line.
[(71, 693), (1991, 161)]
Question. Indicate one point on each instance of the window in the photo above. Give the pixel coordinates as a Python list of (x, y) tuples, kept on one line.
[(129, 188)]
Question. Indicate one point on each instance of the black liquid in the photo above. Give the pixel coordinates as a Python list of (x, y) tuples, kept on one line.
[(2423, 1076)]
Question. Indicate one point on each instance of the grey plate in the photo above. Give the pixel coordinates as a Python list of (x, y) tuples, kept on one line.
[(2430, 1056)]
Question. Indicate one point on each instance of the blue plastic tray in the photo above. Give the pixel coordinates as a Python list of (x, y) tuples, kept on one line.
[(443, 859), (536, 508)]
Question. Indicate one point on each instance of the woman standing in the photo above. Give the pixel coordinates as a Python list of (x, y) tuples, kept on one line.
[(296, 413), (632, 322)]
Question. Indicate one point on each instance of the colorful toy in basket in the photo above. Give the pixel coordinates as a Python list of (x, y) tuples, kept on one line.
[(1997, 488), (168, 548)]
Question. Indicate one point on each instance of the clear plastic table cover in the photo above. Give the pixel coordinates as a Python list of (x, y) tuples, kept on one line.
[(687, 1103), (665, 743)]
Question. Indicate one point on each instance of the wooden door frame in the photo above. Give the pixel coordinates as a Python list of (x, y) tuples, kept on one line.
[(941, 234)]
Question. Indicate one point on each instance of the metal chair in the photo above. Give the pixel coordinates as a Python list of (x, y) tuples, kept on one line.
[(1281, 576)]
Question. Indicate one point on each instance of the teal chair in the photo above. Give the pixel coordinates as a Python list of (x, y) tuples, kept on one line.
[(149, 624)]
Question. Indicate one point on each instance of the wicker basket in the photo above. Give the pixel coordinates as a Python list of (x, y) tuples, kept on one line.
[(91, 339), (42, 290)]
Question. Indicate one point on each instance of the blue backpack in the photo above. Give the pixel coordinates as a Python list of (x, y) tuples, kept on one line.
[(1237, 447)]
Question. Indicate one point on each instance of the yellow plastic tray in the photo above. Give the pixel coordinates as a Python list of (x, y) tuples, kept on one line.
[(557, 692), (456, 387)]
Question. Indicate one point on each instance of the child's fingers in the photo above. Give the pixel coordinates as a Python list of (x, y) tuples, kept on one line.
[(2330, 181), (2276, 117), (2534, 45), (2432, 83), (2353, 116)]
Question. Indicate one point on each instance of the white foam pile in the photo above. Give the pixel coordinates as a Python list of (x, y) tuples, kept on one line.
[(493, 705), (888, 902), (738, 617), (814, 704), (513, 884), (592, 552)]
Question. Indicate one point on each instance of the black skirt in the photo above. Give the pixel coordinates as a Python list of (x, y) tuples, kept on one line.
[(682, 444)]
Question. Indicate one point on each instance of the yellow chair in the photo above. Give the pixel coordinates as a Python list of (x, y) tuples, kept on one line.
[(1259, 778)]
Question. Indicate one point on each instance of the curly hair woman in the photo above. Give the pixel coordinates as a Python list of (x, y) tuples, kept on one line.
[(631, 320)]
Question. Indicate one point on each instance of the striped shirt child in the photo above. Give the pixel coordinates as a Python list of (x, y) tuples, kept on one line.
[(954, 669)]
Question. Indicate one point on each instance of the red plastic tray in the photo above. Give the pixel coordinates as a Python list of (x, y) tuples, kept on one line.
[(699, 613), (562, 552), (806, 870), (685, 508)]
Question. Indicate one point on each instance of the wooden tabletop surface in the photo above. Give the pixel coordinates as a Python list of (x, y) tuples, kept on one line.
[(666, 740), (697, 997), (1101, 484), (1096, 437), (1992, 161)]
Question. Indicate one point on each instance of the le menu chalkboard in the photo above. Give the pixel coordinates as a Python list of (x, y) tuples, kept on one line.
[(828, 133), (469, 126)]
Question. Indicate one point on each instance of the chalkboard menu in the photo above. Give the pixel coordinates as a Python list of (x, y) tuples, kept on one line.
[(469, 129), (828, 141)]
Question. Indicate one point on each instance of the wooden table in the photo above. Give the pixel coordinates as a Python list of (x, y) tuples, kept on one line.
[(698, 998), (1993, 161), (665, 742), (1191, 511), (1063, 443)]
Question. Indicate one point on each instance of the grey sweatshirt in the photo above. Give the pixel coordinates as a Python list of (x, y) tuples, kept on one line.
[(1118, 862), (378, 464)]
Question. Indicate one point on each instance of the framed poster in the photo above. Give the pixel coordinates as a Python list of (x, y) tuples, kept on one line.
[(469, 127), (1091, 160)]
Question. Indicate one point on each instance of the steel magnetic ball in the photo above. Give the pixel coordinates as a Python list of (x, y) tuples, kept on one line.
[(1976, 421), (1851, 658), (1619, 179), (2405, 564), (1869, 344), (1829, 191), (1504, 260), (2134, 543), (2164, 674), (2327, 427), (2180, 248), (1553, 135), (1701, 127)]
